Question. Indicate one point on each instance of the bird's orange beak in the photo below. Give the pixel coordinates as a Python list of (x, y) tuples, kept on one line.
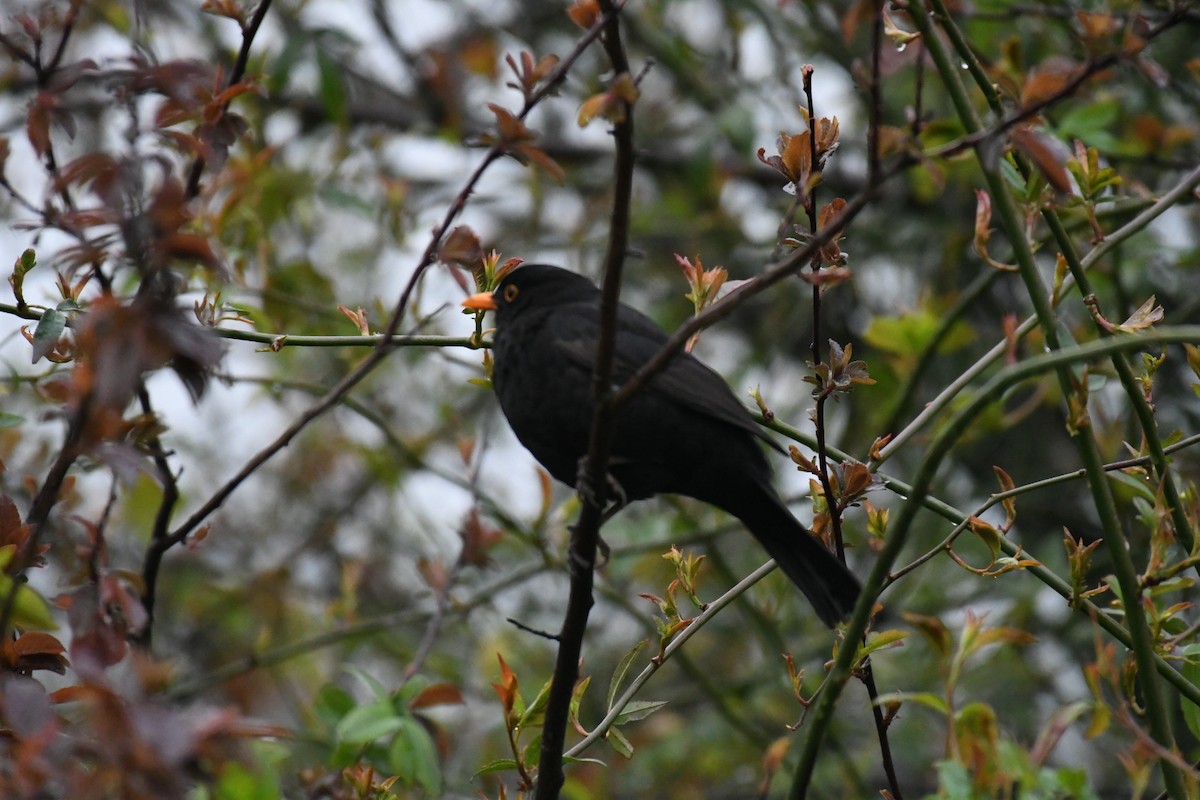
[(482, 301)]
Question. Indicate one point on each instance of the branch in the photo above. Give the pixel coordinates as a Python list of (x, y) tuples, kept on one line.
[(581, 552), (389, 337), (773, 274), (1080, 431), (278, 341), (275, 656), (1033, 486), (239, 69), (948, 512), (933, 409), (822, 716), (693, 627), (162, 520)]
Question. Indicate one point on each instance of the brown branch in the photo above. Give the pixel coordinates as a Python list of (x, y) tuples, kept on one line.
[(774, 273), (585, 534), (867, 673), (355, 376), (43, 503), (162, 519), (1067, 90), (239, 70), (67, 28)]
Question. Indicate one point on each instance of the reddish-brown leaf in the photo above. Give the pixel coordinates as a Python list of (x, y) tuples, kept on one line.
[(584, 13), (1039, 148), (438, 694), (37, 124)]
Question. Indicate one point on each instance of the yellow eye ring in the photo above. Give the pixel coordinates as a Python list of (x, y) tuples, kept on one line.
[(510, 293)]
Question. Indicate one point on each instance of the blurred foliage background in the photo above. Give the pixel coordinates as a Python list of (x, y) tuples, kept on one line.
[(332, 628)]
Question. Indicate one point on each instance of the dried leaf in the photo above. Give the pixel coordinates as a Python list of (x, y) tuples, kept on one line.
[(1144, 318)]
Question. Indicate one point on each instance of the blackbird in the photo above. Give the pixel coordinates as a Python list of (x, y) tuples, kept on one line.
[(683, 433)]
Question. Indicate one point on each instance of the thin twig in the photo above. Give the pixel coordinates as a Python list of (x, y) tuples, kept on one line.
[(821, 717), (365, 367), (1044, 483), (235, 75), (1170, 199), (693, 627), (162, 521), (772, 274)]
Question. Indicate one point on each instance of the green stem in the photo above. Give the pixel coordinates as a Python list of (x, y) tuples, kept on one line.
[(821, 716), (1137, 399), (280, 340), (934, 408), (928, 355), (1158, 715), (1066, 246), (1080, 431), (1047, 576)]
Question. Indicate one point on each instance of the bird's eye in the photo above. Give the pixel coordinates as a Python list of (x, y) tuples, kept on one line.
[(510, 293)]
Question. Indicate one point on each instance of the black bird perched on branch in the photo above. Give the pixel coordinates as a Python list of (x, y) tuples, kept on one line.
[(683, 433)]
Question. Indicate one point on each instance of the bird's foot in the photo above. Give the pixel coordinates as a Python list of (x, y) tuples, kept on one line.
[(617, 501), (583, 486), (579, 562)]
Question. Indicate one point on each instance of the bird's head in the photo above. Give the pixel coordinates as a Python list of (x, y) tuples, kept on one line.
[(533, 286)]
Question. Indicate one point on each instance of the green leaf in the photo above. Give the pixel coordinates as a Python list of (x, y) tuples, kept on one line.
[(45, 335), (577, 700), (618, 742), (928, 699), (1013, 177), (346, 200), (413, 756), (369, 722), (1191, 671), (238, 783), (330, 88), (954, 781), (30, 611), (333, 703), (623, 669), (638, 709), (499, 765), (908, 334), (1135, 486), (533, 714), (408, 693), (377, 688), (26, 262), (1072, 782), (881, 640), (1087, 121), (281, 69), (10, 420)]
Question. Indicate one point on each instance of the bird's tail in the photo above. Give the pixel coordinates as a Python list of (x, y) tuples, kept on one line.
[(829, 586)]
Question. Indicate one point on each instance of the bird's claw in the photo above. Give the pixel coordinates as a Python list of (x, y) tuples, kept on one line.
[(618, 500), (583, 486)]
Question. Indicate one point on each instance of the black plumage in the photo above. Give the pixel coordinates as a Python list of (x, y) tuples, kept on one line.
[(683, 433)]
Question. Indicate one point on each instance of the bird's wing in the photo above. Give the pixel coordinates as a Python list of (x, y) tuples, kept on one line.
[(685, 380)]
